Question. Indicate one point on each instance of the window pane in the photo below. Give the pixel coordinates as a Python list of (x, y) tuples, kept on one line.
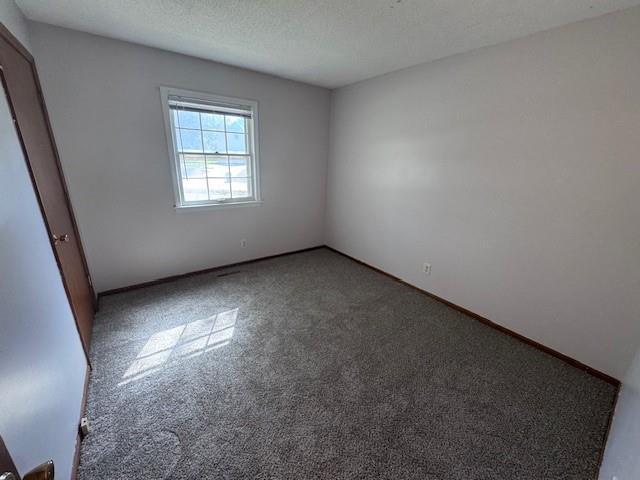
[(214, 142), (212, 121), (194, 166), (219, 188), (217, 166), (239, 166), (236, 143), (188, 119), (234, 124), (213, 149), (178, 139), (191, 141), (241, 187), (194, 189)]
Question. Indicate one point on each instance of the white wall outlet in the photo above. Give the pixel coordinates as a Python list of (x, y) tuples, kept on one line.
[(84, 427), (243, 243), (427, 268)]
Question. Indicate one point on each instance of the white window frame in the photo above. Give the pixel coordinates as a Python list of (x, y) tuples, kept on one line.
[(216, 100)]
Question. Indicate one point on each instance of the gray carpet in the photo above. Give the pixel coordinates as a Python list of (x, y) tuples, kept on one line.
[(312, 366)]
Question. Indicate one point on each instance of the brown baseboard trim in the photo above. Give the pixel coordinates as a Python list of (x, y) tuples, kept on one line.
[(200, 272), (571, 361), (83, 407), (550, 351)]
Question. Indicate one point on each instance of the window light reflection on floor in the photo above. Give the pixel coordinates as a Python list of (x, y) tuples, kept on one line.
[(184, 341)]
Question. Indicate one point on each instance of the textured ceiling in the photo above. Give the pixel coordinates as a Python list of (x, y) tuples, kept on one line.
[(324, 42)]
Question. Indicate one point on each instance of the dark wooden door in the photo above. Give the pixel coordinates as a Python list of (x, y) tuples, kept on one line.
[(28, 109), (6, 462)]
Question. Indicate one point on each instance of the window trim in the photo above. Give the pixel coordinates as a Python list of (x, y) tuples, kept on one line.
[(174, 161)]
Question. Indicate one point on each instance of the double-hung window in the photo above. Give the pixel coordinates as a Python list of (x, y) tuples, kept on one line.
[(213, 148)]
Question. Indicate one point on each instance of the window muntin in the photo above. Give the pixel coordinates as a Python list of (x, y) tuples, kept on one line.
[(213, 149)]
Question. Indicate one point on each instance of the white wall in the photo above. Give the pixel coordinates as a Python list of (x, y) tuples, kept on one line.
[(514, 170), (621, 459), (43, 366), (104, 102), (12, 18)]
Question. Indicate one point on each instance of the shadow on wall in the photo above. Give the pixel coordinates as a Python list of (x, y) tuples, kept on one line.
[(184, 341), (621, 458)]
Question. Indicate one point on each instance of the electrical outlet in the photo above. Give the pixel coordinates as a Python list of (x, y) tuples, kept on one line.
[(84, 427), (243, 243), (427, 268)]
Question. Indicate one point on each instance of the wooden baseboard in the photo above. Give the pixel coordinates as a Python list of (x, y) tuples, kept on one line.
[(83, 407), (571, 361), (200, 272)]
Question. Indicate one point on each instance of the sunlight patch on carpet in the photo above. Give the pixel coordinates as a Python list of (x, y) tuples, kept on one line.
[(184, 341)]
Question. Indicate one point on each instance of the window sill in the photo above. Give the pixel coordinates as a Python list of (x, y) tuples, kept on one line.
[(216, 206)]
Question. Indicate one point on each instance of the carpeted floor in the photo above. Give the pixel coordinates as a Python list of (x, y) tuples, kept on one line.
[(312, 366)]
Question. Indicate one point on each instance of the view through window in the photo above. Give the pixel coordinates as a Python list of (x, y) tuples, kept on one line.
[(213, 151)]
